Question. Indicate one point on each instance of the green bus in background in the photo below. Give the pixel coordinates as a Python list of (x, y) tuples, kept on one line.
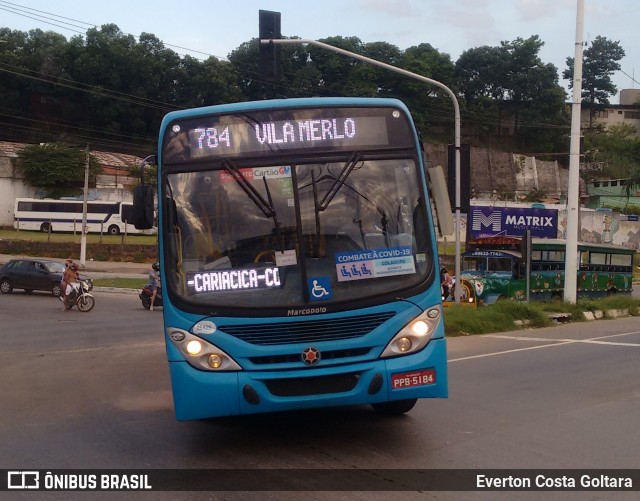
[(495, 270)]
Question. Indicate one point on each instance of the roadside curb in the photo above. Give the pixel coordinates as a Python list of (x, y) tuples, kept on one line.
[(564, 318), (117, 290)]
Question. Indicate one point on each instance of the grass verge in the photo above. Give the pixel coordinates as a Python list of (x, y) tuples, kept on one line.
[(499, 317), (92, 238), (120, 283)]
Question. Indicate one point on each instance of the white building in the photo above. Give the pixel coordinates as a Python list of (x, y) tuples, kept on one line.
[(627, 112)]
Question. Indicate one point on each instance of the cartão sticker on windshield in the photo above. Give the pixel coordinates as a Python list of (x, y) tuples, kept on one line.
[(286, 258), (375, 263)]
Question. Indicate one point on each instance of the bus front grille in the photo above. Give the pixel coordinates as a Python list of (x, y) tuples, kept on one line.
[(295, 358), (309, 331), (320, 385)]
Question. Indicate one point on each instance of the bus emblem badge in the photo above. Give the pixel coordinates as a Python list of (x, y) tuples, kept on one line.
[(311, 356)]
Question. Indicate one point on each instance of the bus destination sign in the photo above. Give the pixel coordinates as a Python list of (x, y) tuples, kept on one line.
[(289, 134), (233, 280), (239, 135)]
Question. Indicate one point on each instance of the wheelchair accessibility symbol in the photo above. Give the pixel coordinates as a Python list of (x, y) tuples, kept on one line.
[(319, 288)]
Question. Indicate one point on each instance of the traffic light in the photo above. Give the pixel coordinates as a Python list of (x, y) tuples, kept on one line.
[(465, 176), (269, 29)]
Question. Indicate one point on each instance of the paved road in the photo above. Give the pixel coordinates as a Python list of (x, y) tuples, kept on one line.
[(92, 391)]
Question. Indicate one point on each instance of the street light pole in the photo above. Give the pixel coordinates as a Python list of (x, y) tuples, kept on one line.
[(83, 237), (573, 189), (440, 85)]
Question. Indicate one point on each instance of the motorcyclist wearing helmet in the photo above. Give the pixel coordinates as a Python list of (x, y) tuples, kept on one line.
[(154, 282), (70, 277)]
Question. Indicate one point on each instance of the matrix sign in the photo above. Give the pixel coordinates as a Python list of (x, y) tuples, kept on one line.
[(511, 222)]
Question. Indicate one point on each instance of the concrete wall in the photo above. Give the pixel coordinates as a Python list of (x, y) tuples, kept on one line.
[(12, 186), (497, 175)]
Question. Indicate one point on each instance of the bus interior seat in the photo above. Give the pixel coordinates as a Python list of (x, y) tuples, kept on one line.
[(404, 240), (374, 241)]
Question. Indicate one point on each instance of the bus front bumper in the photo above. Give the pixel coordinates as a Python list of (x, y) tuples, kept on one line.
[(200, 394)]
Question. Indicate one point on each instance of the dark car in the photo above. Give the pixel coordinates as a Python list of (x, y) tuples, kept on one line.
[(31, 275)]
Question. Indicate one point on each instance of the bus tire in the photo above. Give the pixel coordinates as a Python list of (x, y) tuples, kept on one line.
[(44, 227), (395, 407), (113, 230), (6, 287)]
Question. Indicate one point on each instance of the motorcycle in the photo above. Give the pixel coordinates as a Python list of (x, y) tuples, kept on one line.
[(80, 296), (145, 297)]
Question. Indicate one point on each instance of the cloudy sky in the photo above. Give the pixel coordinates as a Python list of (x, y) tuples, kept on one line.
[(216, 27)]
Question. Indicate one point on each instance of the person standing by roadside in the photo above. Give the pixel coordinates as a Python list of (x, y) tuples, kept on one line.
[(446, 282), (154, 282)]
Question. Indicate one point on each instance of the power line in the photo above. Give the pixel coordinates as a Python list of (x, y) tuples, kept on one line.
[(99, 91), (22, 10), (38, 15), (631, 77)]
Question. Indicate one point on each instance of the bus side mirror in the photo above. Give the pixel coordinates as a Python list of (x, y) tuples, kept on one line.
[(143, 207)]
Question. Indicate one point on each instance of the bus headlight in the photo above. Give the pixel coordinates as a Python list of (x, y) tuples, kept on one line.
[(194, 347), (415, 335), (200, 353)]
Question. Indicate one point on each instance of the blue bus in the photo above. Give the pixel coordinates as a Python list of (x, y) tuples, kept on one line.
[(298, 258)]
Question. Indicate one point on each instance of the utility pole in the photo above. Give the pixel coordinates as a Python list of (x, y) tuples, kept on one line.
[(456, 107), (83, 237), (573, 195)]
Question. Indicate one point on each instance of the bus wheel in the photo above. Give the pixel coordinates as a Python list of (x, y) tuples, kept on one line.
[(44, 227), (395, 407), (557, 297), (113, 230)]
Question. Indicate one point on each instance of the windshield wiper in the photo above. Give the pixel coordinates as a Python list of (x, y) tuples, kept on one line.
[(276, 223), (251, 192), (339, 181), (265, 206)]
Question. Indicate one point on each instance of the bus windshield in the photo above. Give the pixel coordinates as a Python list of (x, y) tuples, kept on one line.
[(295, 235)]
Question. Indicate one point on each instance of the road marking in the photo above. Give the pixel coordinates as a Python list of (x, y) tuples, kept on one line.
[(550, 343), (151, 344)]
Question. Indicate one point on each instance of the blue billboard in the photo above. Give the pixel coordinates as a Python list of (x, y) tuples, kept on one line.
[(486, 222)]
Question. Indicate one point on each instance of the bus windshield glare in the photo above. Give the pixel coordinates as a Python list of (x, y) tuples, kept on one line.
[(267, 230)]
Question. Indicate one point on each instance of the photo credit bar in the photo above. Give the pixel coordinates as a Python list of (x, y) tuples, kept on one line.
[(350, 479)]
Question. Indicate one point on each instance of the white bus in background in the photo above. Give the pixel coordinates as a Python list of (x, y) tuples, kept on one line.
[(66, 215)]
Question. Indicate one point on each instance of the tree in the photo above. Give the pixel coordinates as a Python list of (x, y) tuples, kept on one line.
[(430, 105), (600, 60), (299, 77), (511, 82), (56, 168), (617, 146)]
